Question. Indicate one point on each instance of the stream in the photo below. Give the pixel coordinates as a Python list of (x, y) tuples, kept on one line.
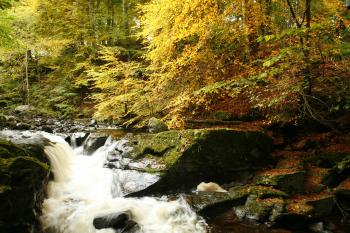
[(92, 184), (84, 188)]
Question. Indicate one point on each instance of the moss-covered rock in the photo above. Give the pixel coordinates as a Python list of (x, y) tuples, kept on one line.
[(288, 180), (194, 156), (156, 125), (312, 205), (260, 209), (256, 190), (317, 179), (23, 177)]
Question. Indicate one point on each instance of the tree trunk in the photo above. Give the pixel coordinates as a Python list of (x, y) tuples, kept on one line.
[(92, 23), (125, 18), (304, 43), (25, 88), (266, 27), (306, 50)]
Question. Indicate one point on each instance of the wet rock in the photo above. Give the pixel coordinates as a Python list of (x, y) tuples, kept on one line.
[(118, 221), (77, 139), (217, 155), (263, 203), (288, 180), (22, 126), (260, 209), (258, 191), (9, 122), (24, 174), (156, 125), (212, 203), (317, 179), (46, 128), (93, 142), (319, 227), (93, 122), (312, 205)]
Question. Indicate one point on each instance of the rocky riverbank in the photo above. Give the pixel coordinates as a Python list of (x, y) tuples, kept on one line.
[(270, 179), (302, 182)]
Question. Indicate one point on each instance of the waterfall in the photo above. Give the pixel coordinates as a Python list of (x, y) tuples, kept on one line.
[(84, 188)]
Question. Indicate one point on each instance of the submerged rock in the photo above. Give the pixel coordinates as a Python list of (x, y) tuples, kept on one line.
[(193, 156), (118, 221)]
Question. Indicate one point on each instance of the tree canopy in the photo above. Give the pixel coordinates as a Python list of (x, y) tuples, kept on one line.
[(127, 60)]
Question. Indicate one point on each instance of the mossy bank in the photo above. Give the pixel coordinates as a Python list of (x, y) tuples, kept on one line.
[(24, 173)]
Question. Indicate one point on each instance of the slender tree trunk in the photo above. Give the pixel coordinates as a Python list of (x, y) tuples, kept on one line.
[(267, 11), (125, 18), (245, 20), (250, 29), (306, 49), (304, 42), (26, 81), (92, 22)]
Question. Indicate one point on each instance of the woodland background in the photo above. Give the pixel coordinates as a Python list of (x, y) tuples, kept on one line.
[(126, 60)]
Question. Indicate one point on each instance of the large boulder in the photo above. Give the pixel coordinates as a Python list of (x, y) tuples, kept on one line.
[(24, 174), (201, 155)]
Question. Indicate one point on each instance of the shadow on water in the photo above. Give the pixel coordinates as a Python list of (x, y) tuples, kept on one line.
[(229, 223)]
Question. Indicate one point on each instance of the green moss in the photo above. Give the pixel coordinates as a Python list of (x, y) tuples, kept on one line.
[(166, 147), (238, 192), (258, 191), (22, 181), (8, 149), (202, 154), (265, 192), (261, 209)]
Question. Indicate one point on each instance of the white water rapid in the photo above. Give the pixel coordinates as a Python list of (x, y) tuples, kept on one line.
[(83, 189)]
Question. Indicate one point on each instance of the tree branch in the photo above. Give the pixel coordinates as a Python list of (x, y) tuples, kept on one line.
[(294, 16)]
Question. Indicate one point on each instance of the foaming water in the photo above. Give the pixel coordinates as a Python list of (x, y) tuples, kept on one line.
[(83, 189)]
